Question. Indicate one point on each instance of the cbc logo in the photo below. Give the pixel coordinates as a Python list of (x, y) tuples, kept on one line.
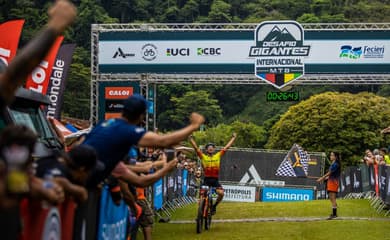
[(149, 52), (208, 51)]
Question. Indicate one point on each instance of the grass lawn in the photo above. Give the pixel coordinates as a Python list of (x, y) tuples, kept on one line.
[(326, 229)]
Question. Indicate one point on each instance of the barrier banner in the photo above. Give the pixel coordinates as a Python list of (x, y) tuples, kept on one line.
[(113, 219), (184, 185), (356, 178), (364, 171), (165, 188), (86, 217), (178, 186), (40, 222), (260, 168), (67, 213), (171, 186), (342, 188), (270, 194), (57, 80), (371, 175), (158, 194), (348, 180), (38, 80), (387, 200), (382, 174), (236, 193), (321, 191)]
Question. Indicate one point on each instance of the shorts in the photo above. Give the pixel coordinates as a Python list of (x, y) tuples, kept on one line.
[(212, 182), (333, 185), (147, 217)]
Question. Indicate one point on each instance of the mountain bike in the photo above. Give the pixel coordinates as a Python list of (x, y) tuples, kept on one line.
[(206, 201)]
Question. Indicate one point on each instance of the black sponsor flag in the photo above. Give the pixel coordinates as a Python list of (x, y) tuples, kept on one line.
[(295, 163), (57, 80)]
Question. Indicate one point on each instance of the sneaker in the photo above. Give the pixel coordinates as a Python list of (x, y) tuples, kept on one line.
[(213, 210), (332, 217)]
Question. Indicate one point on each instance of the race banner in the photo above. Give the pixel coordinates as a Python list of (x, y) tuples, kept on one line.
[(113, 219), (178, 186), (382, 181), (236, 193), (387, 199), (57, 81), (158, 194), (10, 34), (356, 178), (38, 80)]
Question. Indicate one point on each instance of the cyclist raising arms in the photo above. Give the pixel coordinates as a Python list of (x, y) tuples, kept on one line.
[(211, 165)]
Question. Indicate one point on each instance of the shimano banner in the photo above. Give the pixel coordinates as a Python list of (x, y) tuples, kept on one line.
[(113, 219), (269, 194)]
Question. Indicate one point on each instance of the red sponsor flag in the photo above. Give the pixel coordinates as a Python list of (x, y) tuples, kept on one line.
[(9, 39), (38, 80)]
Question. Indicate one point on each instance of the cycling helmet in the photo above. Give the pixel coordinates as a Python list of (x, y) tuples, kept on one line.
[(209, 144)]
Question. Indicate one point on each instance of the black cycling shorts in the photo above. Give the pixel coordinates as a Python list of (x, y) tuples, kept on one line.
[(212, 182)]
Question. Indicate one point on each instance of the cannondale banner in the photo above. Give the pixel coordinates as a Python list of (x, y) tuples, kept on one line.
[(38, 80), (57, 80), (277, 52)]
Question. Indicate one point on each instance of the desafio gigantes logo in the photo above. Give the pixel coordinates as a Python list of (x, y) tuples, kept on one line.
[(279, 52)]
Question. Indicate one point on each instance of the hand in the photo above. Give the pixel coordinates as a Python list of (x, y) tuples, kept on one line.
[(54, 195), (61, 15), (320, 179), (234, 135), (172, 164), (196, 119)]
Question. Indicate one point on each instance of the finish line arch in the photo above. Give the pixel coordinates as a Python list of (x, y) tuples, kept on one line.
[(117, 65)]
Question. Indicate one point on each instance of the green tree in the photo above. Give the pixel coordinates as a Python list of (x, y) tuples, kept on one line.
[(345, 122), (190, 11), (308, 18), (89, 12), (77, 91), (195, 101), (220, 12), (249, 135)]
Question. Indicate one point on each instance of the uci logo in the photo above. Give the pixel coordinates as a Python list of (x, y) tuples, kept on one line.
[(208, 51), (178, 51), (149, 52)]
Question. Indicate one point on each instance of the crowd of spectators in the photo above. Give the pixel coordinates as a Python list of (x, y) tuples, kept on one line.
[(376, 157)]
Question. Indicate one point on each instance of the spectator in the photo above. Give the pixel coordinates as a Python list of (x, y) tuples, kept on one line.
[(16, 181), (385, 156), (333, 176), (113, 138), (369, 158), (69, 170)]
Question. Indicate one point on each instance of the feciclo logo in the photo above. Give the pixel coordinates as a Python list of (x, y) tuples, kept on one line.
[(52, 227), (279, 52), (149, 52)]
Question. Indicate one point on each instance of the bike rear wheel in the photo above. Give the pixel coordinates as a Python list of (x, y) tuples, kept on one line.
[(199, 219)]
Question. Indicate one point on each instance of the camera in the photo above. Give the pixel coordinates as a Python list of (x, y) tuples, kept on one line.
[(170, 154)]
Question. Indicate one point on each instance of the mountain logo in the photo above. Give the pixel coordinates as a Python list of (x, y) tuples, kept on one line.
[(279, 52), (251, 176)]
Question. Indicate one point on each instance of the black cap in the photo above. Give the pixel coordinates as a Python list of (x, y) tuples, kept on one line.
[(135, 105), (209, 144), (85, 156)]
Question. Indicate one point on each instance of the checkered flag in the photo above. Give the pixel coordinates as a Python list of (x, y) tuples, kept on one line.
[(295, 164)]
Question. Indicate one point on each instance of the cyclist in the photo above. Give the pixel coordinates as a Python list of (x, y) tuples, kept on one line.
[(211, 165)]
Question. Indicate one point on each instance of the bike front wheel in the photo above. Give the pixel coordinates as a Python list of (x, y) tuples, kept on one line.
[(199, 218)]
